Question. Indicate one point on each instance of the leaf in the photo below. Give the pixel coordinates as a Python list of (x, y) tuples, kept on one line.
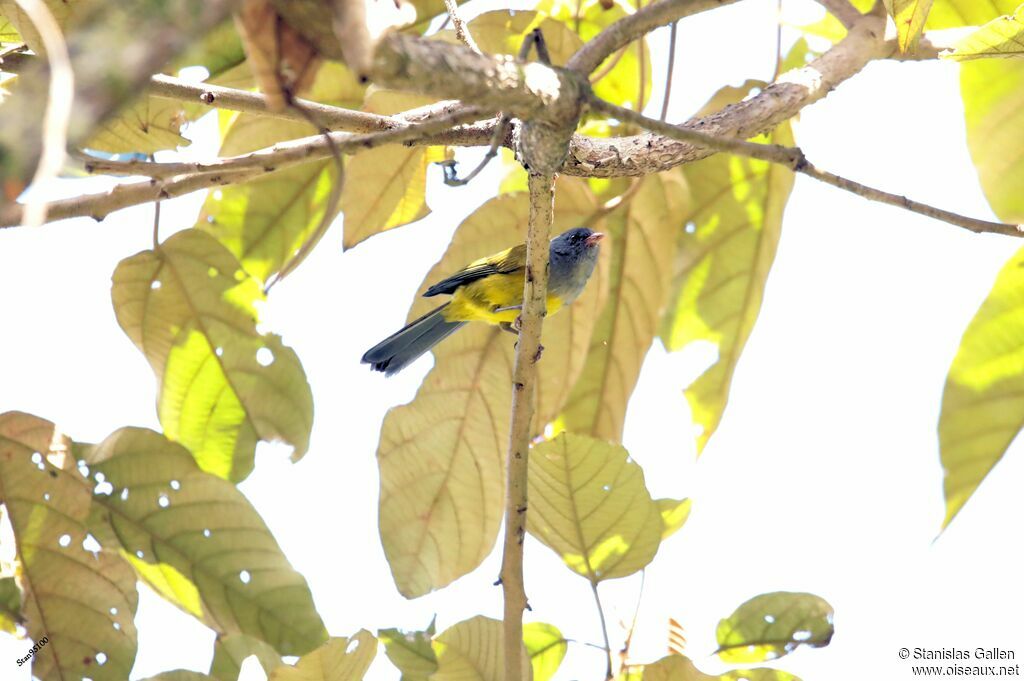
[(589, 503), (340, 659), (82, 602), (1002, 37), (8, 34), (958, 13), (546, 647), (674, 514), (993, 96), (265, 221), (622, 83), (199, 543), (473, 650), (909, 16), (503, 31), (191, 310), (411, 652), (145, 126), (180, 675), (680, 668), (21, 25), (642, 239), (983, 401), (442, 455), (229, 651), (772, 625), (732, 230), (10, 605)]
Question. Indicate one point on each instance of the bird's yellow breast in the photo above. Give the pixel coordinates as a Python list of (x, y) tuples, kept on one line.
[(487, 300)]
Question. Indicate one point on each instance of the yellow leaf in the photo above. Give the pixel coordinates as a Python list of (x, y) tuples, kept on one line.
[(726, 251), (340, 659), (473, 650), (546, 647), (909, 16), (589, 503), (642, 239), (680, 668), (79, 596), (503, 31), (191, 310), (674, 514), (772, 625), (442, 455), (1002, 37), (200, 543), (958, 13), (983, 402), (993, 96)]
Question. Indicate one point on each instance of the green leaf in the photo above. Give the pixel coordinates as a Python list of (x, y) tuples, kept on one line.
[(643, 232), (199, 543), (340, 659), (82, 602), (993, 96), (180, 675), (983, 401), (1002, 37), (265, 221), (909, 16), (772, 625), (546, 647), (473, 650), (619, 83), (441, 456), (230, 650), (674, 514), (680, 668), (191, 310), (411, 652), (10, 604), (589, 504), (726, 251)]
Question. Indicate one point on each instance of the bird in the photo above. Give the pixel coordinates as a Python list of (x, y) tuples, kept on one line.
[(490, 290)]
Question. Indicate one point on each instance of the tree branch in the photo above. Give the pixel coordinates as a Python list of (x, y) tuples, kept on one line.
[(604, 631), (184, 178), (842, 10), (794, 159), (461, 32)]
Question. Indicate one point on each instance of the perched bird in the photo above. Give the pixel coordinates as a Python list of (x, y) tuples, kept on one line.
[(490, 290)]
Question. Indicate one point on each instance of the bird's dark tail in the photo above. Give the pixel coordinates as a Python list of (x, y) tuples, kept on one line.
[(401, 348)]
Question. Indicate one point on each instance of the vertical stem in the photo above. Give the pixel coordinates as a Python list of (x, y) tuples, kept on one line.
[(604, 631), (524, 373)]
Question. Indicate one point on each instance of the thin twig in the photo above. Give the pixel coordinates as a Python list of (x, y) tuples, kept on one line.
[(794, 159), (604, 631), (671, 68), (156, 224), (642, 64), (60, 96), (778, 42), (461, 32), (624, 656), (524, 378)]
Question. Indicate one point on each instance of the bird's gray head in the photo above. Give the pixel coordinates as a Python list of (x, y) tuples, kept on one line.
[(573, 256)]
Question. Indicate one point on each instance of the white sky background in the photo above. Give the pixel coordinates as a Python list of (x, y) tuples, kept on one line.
[(823, 477)]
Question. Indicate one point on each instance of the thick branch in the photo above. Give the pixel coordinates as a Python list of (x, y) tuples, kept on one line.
[(628, 29), (227, 171), (794, 159)]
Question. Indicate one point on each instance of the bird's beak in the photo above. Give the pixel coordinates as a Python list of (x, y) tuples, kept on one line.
[(593, 239)]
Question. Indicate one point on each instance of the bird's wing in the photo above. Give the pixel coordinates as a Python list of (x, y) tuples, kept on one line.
[(506, 262)]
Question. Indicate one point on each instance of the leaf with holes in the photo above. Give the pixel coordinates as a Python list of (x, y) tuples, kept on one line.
[(340, 659), (442, 455), (993, 94), (473, 650), (626, 74), (266, 221), (725, 254), (674, 514), (191, 310), (643, 231), (411, 652), (589, 504), (680, 668), (77, 595), (983, 401), (774, 624), (1002, 37), (909, 16), (546, 647), (230, 650), (198, 542)]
